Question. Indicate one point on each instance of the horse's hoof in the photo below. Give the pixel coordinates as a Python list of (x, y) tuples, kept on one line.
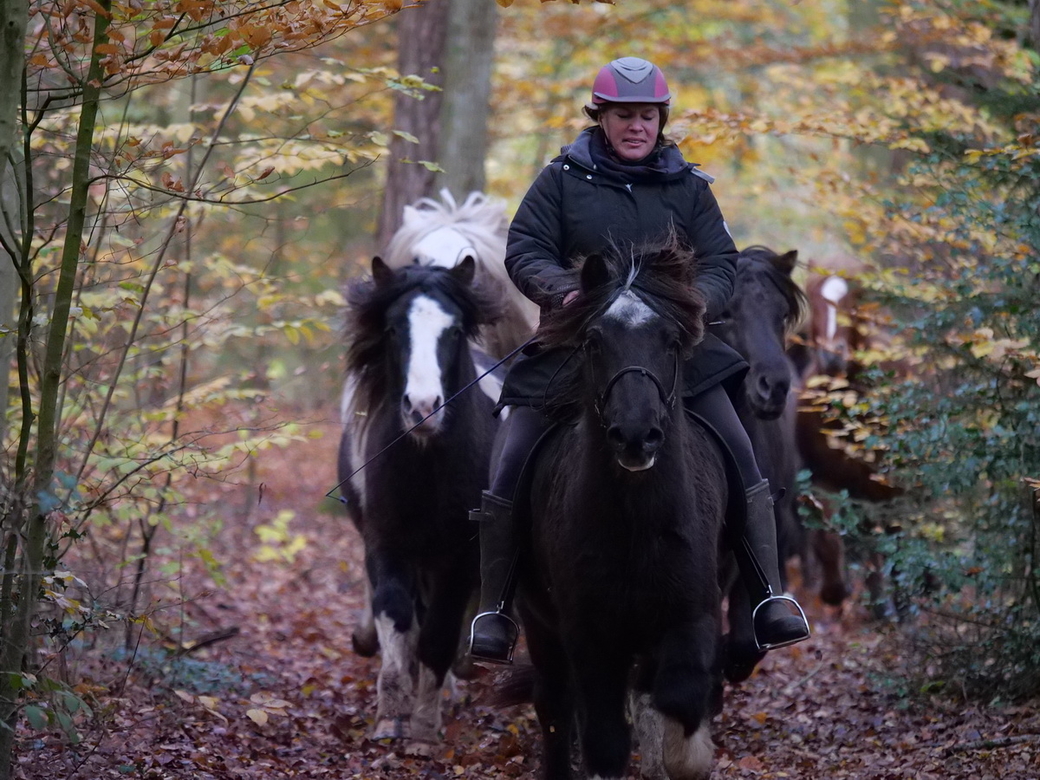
[(420, 748), (464, 668), (391, 728), (366, 643), (740, 665), (834, 594)]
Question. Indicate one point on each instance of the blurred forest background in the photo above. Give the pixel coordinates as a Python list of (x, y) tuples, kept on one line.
[(186, 185)]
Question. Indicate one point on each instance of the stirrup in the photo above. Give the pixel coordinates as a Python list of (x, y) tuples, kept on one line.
[(514, 631), (777, 645)]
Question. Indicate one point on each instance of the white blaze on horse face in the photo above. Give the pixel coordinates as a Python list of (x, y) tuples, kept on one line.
[(833, 290), (629, 309), (443, 247), (424, 382)]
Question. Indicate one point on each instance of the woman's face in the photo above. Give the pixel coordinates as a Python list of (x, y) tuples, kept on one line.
[(631, 128)]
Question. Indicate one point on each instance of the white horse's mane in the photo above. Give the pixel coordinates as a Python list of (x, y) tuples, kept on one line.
[(480, 219)]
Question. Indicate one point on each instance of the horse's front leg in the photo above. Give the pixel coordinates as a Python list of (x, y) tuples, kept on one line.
[(398, 631), (601, 682), (438, 643), (685, 685), (552, 698)]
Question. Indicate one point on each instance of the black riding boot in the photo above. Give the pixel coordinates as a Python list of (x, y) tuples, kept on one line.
[(775, 622), (493, 633)]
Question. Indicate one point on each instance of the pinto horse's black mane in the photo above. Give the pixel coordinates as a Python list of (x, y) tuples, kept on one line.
[(661, 274), (368, 301), (797, 301)]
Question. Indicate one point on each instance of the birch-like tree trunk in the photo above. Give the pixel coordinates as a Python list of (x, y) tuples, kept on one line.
[(13, 19), (31, 535)]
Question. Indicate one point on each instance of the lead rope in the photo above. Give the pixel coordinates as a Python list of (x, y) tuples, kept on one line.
[(365, 465)]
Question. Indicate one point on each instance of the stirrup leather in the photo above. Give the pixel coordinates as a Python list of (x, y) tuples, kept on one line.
[(514, 635), (776, 645)]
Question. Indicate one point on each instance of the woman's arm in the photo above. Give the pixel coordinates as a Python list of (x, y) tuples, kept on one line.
[(715, 253), (534, 250)]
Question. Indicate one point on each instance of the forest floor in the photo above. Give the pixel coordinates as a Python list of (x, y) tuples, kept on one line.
[(283, 695)]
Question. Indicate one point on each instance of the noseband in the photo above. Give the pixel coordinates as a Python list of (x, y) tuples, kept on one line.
[(667, 397)]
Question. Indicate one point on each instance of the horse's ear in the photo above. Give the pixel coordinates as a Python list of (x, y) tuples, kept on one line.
[(594, 272), (381, 273), (465, 270), (787, 261)]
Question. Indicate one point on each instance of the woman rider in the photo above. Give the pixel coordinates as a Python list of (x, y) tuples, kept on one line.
[(622, 182)]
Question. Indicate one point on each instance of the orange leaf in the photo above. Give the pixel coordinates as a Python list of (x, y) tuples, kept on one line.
[(106, 48), (751, 764)]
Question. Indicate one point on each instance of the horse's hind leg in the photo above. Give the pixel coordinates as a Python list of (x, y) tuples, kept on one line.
[(438, 642), (398, 632), (683, 690)]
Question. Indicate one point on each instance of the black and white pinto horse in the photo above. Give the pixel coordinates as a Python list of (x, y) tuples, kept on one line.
[(620, 575), (443, 233), (409, 352)]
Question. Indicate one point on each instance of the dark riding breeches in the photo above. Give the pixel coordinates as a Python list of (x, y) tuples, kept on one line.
[(715, 406), (526, 425)]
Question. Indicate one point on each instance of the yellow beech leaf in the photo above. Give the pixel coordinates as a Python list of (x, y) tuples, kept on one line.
[(259, 717)]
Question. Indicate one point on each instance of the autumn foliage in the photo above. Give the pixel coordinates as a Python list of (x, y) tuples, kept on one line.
[(177, 261)]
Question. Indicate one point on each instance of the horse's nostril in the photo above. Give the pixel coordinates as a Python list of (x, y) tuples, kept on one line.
[(406, 402), (615, 437), (654, 439)]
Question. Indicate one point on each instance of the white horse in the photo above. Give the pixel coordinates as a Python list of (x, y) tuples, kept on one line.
[(443, 233)]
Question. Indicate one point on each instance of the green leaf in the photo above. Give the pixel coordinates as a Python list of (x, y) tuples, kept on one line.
[(37, 717)]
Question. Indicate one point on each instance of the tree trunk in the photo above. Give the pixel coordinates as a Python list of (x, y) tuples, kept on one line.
[(16, 631), (1034, 23), (13, 19), (420, 48), (468, 58)]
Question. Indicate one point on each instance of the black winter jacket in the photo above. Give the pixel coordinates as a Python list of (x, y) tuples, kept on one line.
[(582, 202)]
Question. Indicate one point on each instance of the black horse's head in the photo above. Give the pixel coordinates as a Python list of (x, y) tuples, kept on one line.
[(409, 330), (634, 321), (766, 306)]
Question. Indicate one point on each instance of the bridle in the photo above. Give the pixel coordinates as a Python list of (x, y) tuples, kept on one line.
[(667, 397)]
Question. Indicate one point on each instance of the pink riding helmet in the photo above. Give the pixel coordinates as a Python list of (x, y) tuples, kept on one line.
[(630, 80)]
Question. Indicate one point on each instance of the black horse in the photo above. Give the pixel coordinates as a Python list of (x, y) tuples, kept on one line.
[(627, 503), (409, 353), (767, 307)]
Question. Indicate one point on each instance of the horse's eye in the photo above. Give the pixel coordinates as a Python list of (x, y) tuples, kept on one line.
[(593, 342)]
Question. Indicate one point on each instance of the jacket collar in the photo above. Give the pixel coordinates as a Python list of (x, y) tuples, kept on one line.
[(589, 148)]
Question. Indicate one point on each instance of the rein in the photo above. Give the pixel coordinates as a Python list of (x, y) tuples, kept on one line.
[(368, 462)]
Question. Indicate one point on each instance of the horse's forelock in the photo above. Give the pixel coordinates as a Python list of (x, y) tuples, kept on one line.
[(797, 300), (661, 275)]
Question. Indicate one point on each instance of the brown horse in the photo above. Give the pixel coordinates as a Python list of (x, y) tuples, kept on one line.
[(840, 329)]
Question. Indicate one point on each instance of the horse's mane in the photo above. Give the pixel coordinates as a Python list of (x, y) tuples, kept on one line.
[(480, 219), (661, 274), (797, 300), (367, 305)]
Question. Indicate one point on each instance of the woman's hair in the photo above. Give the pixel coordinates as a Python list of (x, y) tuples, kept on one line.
[(595, 112)]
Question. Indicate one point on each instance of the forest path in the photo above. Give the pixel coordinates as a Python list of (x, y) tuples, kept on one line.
[(287, 698)]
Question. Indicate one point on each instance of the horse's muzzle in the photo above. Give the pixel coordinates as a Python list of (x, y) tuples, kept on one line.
[(635, 451)]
